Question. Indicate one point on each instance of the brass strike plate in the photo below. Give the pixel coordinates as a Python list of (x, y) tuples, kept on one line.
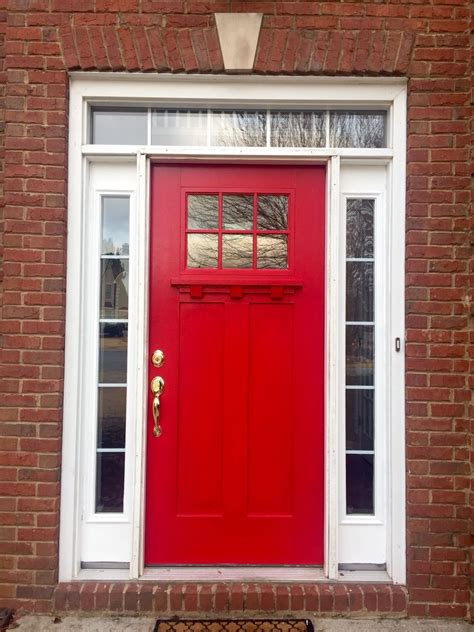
[(157, 358)]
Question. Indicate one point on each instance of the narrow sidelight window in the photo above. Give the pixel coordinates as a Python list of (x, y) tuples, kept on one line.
[(360, 332), (113, 336)]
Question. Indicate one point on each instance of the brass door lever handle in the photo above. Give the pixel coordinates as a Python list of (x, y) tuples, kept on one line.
[(156, 385)]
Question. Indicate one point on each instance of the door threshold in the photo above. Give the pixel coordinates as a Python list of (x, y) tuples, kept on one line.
[(234, 573)]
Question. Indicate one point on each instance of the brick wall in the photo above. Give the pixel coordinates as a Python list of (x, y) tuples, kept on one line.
[(429, 43)]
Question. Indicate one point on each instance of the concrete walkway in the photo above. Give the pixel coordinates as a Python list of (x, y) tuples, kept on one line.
[(145, 624)]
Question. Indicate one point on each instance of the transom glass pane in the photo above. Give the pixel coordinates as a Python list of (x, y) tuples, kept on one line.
[(203, 211), (119, 126), (357, 129), (237, 212), (239, 128), (298, 129), (272, 212), (179, 127)]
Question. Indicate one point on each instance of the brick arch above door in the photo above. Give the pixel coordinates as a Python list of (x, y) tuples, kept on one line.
[(317, 50)]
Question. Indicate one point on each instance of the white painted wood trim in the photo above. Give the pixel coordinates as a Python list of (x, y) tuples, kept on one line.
[(333, 353), (396, 565)]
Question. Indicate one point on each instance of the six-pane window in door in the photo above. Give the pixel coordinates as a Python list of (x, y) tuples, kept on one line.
[(360, 356), (113, 348), (237, 230), (200, 127)]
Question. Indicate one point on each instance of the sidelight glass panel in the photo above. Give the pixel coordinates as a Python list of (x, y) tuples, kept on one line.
[(110, 482), (237, 251), (237, 212), (272, 251), (239, 128), (298, 129), (115, 225), (119, 126), (360, 419), (357, 129), (114, 288), (359, 291), (360, 354), (202, 250), (272, 212), (360, 483), (203, 211), (179, 127), (360, 228), (111, 418), (113, 353)]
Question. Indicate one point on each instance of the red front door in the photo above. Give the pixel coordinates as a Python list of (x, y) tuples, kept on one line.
[(237, 307)]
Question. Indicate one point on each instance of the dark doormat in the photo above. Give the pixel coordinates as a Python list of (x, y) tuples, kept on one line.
[(234, 625)]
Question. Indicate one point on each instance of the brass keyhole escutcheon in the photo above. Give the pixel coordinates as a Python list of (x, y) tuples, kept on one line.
[(157, 358)]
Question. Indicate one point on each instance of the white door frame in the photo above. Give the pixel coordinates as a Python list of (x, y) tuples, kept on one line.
[(205, 91)]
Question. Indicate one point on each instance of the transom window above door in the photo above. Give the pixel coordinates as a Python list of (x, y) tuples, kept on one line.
[(237, 230), (238, 128)]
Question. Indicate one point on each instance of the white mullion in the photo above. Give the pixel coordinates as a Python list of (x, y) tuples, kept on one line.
[(110, 450), (334, 352)]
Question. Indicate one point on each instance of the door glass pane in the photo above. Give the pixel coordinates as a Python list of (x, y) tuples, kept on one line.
[(113, 353), (359, 354), (272, 251), (114, 288), (111, 422), (115, 225), (119, 126), (360, 228), (237, 251), (110, 481), (360, 483), (202, 251), (239, 128), (358, 129), (298, 129), (359, 291), (237, 212), (203, 211), (272, 212), (179, 127), (359, 419)]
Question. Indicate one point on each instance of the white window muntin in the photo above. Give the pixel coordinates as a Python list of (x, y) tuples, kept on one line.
[(306, 92)]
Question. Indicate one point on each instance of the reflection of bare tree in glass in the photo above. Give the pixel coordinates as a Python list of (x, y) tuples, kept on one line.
[(272, 251), (202, 251), (298, 129), (239, 128), (272, 212), (237, 251), (202, 211), (358, 129), (114, 288), (237, 212), (360, 228), (359, 291)]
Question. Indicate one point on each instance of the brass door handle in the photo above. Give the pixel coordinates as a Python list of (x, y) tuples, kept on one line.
[(157, 385)]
